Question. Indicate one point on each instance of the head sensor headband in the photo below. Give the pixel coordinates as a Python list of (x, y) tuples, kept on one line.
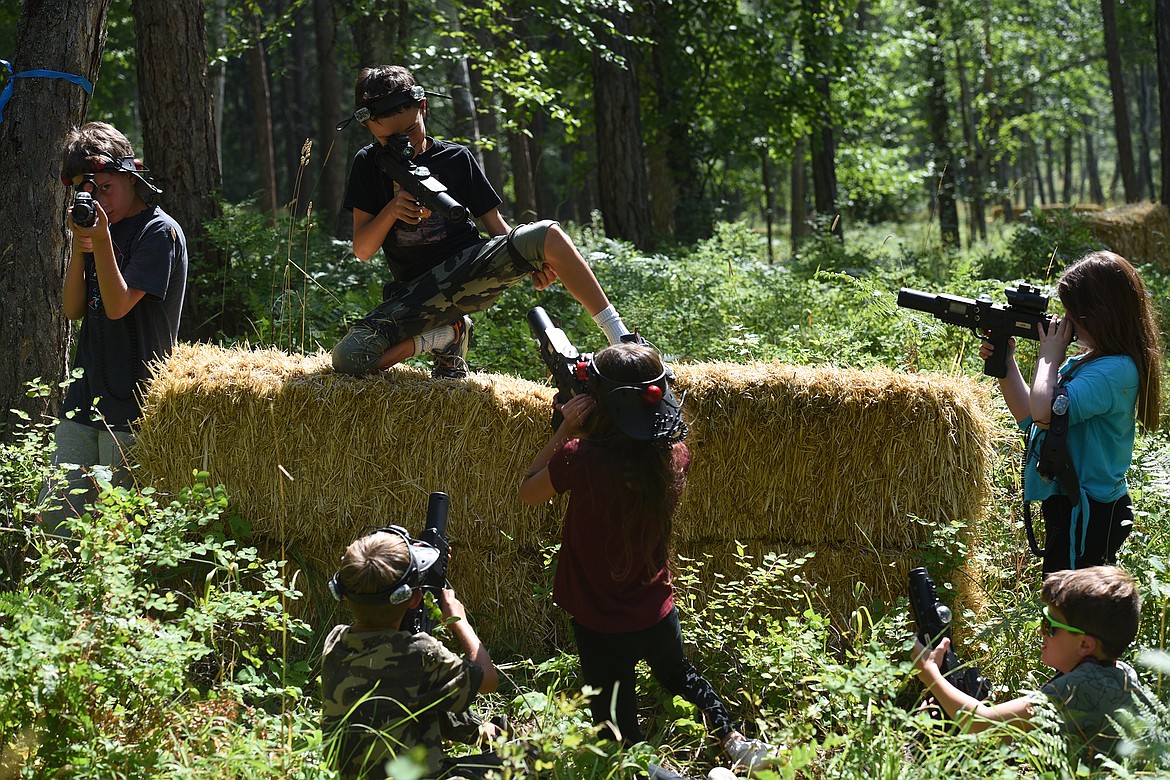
[(646, 411), (125, 165), (422, 557), (387, 104)]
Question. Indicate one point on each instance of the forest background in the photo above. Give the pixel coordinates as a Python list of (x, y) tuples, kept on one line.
[(750, 178)]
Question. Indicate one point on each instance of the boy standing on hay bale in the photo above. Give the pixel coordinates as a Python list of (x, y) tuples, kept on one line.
[(386, 690), (126, 280), (1089, 619), (443, 268)]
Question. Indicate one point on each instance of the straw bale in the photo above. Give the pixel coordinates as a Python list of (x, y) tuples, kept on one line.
[(797, 458), (825, 455), (1140, 232)]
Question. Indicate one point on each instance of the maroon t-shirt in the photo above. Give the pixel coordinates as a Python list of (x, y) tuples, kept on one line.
[(592, 549)]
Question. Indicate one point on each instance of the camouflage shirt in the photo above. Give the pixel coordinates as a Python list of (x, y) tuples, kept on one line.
[(384, 692)]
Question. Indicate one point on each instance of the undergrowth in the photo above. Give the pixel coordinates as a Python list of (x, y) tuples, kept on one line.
[(155, 641)]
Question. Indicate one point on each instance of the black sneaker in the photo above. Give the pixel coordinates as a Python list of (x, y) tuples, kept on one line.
[(451, 360)]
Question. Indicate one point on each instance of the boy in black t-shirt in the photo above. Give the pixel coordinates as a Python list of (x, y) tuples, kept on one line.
[(443, 269), (126, 280)]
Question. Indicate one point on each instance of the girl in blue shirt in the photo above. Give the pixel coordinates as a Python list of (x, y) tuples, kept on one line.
[(1112, 380)]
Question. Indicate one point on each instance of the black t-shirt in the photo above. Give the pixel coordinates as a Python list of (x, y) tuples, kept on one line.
[(412, 250), (151, 252)]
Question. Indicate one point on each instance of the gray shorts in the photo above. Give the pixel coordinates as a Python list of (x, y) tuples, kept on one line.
[(464, 283)]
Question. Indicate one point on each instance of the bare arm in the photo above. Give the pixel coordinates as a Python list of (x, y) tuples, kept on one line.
[(971, 714), (494, 224), (73, 300), (1014, 388), (537, 487), (462, 630)]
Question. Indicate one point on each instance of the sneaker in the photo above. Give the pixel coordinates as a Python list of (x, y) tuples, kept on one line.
[(750, 754), (451, 360)]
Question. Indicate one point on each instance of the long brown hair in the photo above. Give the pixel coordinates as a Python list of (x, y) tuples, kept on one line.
[(648, 479), (1107, 298)]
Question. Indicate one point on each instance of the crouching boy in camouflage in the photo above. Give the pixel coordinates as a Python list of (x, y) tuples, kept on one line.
[(386, 690)]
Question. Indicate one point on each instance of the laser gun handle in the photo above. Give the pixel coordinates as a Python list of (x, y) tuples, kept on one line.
[(997, 364)]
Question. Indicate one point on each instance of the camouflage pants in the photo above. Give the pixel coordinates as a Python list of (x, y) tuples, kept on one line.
[(464, 283)]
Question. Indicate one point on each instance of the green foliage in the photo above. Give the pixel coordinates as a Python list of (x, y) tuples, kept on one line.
[(1044, 244), (137, 644), (299, 286)]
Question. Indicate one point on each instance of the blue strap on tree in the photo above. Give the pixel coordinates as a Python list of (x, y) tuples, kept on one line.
[(6, 95)]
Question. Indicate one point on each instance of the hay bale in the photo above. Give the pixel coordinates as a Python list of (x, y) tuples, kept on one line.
[(1139, 232), (790, 458)]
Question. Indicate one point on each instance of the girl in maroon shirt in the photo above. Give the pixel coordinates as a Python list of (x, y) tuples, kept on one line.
[(620, 456)]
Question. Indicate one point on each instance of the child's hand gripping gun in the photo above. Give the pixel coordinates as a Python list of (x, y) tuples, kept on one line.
[(933, 621), (394, 160), (991, 321), (570, 368), (434, 579)]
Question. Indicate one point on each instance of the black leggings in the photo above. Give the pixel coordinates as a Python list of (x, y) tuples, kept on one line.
[(1109, 525), (608, 661)]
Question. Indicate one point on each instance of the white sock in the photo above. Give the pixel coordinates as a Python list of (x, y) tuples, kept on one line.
[(438, 338), (611, 323)]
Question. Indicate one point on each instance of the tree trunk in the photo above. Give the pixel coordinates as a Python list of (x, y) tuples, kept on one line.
[(938, 122), (327, 151), (66, 36), (1145, 171), (489, 127), (262, 120), (523, 183), (1050, 168), (818, 46), (1162, 36), (1120, 105), (769, 199), (798, 222), (1096, 194), (1067, 188), (216, 72), (974, 166), (179, 141), (621, 158)]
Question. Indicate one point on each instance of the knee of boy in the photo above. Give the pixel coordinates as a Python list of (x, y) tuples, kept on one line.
[(528, 240)]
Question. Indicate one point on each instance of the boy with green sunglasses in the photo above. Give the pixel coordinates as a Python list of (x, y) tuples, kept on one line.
[(1089, 619)]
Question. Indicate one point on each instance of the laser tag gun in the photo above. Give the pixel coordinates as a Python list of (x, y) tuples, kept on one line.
[(933, 621), (434, 577), (394, 160), (993, 322), (570, 368), (84, 211)]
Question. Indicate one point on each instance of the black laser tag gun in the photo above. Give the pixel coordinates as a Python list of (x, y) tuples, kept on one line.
[(394, 159), (933, 621), (434, 578), (84, 211), (991, 321), (570, 368)]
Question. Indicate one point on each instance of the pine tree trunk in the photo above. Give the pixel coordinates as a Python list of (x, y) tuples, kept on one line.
[(1120, 105), (179, 145), (798, 221), (66, 36), (1162, 36), (1096, 193), (262, 119), (329, 151), (621, 158), (938, 124)]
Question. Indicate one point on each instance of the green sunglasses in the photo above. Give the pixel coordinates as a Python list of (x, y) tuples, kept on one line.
[(1050, 625)]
